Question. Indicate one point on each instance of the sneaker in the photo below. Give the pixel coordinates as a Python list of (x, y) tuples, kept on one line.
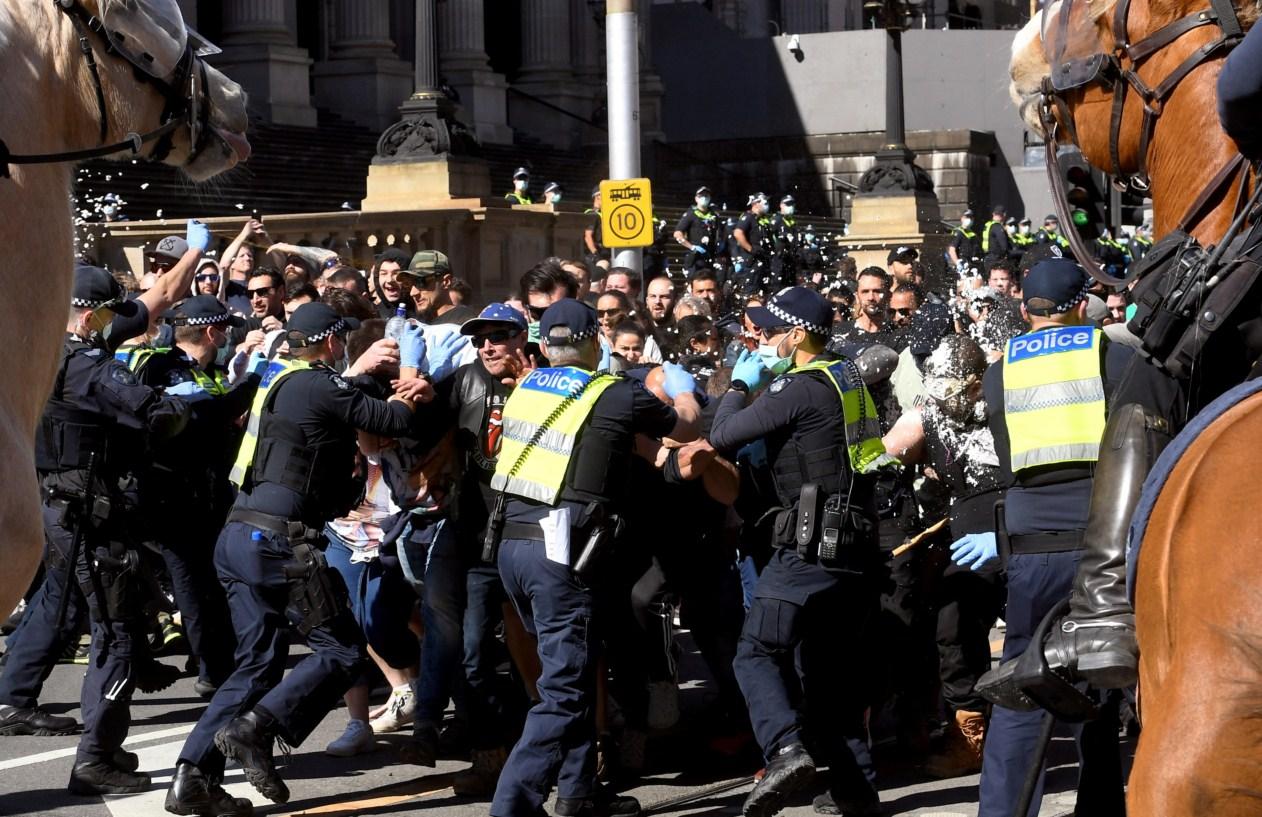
[(663, 710), (397, 713), (172, 640), (93, 778), (358, 739), (480, 779), (15, 720)]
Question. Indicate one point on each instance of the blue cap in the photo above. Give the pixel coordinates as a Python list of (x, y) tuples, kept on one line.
[(497, 315), (568, 314), (794, 306), (1059, 280)]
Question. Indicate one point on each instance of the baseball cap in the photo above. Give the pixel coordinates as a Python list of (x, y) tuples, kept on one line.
[(496, 314), (904, 254), (95, 288), (313, 322), (794, 306), (201, 310), (172, 247), (1059, 280), (568, 314), (428, 262)]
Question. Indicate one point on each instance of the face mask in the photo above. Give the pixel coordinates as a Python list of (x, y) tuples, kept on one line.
[(788, 211), (1025, 229), (532, 332), (1010, 230), (220, 339), (520, 184), (703, 202), (770, 357), (966, 223), (555, 198)]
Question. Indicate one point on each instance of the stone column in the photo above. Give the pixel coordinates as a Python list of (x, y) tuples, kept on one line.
[(363, 80), (259, 52), (546, 75), (463, 65)]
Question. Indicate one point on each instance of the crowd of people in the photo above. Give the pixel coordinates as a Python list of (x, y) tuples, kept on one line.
[(798, 463)]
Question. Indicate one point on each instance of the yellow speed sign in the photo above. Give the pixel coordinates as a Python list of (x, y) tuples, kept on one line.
[(626, 213)]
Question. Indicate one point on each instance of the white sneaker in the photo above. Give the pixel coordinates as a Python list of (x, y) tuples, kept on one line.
[(356, 740), (663, 710), (398, 713)]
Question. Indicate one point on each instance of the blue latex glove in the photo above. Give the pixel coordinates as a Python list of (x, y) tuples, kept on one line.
[(606, 359), (197, 235), (750, 370), (442, 356), (412, 345), (189, 391), (257, 364), (976, 549), (698, 249), (678, 381)]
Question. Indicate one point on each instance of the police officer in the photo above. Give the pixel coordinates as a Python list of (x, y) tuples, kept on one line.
[(184, 490), (1141, 242), (965, 248), (593, 244), (750, 236), (295, 469), (95, 428), (1050, 233), (697, 231), (995, 242), (786, 241), (1022, 240), (553, 193), (1110, 254), (1047, 399), (562, 476), (520, 194), (812, 603)]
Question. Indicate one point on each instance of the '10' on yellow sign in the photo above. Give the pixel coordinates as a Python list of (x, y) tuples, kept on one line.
[(626, 213)]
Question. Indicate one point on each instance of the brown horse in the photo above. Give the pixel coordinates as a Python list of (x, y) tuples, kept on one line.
[(50, 105), (1199, 633)]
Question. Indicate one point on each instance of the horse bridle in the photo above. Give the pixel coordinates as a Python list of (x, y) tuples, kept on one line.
[(186, 95), (1120, 71)]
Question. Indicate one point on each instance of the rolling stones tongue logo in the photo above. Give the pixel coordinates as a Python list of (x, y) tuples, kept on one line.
[(494, 428)]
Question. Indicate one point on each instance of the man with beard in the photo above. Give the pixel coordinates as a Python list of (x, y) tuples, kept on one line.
[(660, 302), (428, 278), (903, 268), (871, 323), (386, 289)]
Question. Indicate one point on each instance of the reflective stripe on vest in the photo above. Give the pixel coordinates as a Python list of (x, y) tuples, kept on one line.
[(986, 234), (1053, 396), (863, 436), (519, 197), (546, 394), (137, 357), (276, 371)]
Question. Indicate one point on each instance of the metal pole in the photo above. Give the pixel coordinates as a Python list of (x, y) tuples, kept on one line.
[(895, 133), (623, 72)]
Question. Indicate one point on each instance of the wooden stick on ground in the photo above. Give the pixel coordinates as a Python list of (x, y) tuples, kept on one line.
[(920, 537)]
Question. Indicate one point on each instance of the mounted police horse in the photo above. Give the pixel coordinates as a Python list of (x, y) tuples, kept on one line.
[(80, 78), (1133, 84)]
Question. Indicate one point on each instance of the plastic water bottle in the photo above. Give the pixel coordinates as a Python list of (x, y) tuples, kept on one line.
[(396, 325)]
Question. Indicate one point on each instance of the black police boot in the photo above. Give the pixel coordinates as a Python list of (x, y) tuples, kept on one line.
[(788, 771), (248, 740), (602, 803), (1096, 640), (828, 803), (125, 760), (91, 778), (192, 793), (422, 749), (21, 720), (205, 689), (154, 676)]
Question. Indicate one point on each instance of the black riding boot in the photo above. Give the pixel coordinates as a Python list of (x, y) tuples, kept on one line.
[(1096, 641)]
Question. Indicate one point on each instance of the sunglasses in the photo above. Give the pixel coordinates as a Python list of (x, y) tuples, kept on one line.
[(771, 331), (497, 337), (208, 277), (262, 292), (606, 313)]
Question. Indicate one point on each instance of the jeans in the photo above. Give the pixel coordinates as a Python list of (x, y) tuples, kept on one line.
[(381, 602), (442, 610)]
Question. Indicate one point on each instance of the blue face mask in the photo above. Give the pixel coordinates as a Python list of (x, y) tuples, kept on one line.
[(770, 356)]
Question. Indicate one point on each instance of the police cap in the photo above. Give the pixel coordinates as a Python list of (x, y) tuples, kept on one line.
[(521, 173), (1058, 280), (95, 288), (1051, 219), (794, 306), (575, 319), (702, 191), (788, 199), (202, 310), (313, 322), (553, 187)]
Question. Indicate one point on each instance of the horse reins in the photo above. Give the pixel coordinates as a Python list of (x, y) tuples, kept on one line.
[(194, 103), (1111, 70)]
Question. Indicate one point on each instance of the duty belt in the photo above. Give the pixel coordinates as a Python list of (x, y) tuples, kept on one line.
[(1058, 542), (523, 530), (291, 529)]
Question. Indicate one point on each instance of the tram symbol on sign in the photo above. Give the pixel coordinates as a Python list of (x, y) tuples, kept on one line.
[(627, 215)]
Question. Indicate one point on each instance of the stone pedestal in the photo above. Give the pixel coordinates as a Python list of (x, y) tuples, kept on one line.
[(423, 183), (878, 223)]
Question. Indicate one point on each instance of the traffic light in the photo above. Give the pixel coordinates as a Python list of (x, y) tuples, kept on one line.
[(1085, 190)]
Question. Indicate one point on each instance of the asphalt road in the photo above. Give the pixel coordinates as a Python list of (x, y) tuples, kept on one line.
[(34, 771)]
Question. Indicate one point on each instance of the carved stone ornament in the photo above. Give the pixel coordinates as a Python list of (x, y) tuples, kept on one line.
[(895, 176)]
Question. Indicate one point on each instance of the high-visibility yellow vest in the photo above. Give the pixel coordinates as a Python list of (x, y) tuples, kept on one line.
[(986, 234), (1022, 240), (1053, 396), (545, 398), (277, 371), (863, 424), (518, 198), (137, 357)]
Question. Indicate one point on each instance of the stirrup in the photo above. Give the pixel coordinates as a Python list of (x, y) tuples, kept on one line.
[(1029, 682)]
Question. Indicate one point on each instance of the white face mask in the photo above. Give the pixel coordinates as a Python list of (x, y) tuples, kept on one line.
[(966, 223), (787, 210), (1010, 229), (555, 198), (1025, 229), (703, 202), (520, 185)]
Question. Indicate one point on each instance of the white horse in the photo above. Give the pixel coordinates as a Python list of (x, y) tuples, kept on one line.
[(50, 104)]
